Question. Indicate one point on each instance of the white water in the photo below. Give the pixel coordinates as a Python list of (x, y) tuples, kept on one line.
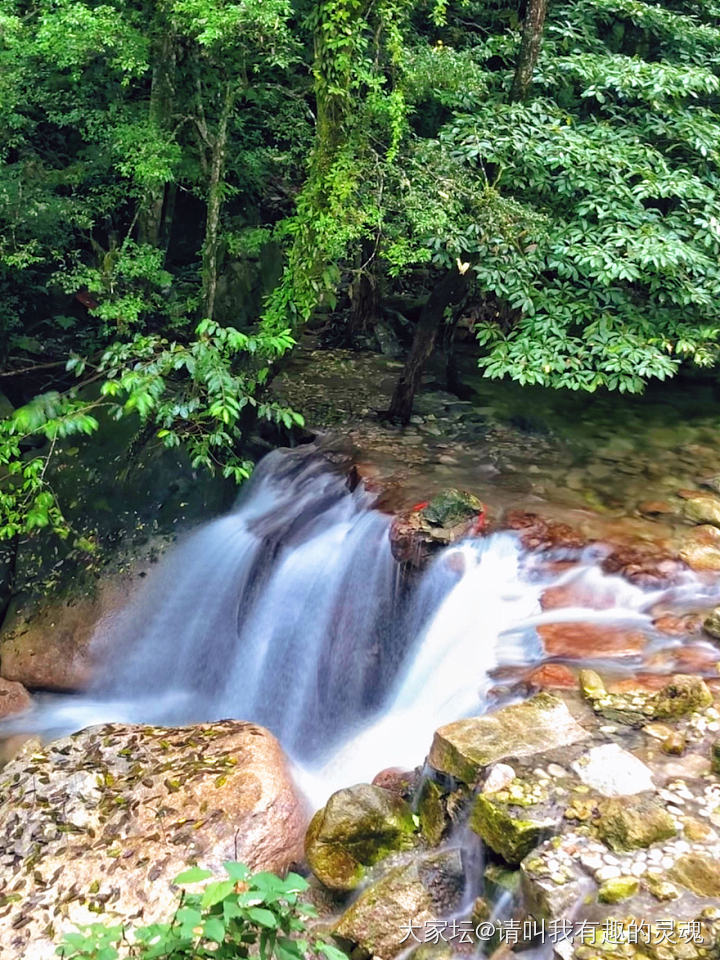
[(290, 612)]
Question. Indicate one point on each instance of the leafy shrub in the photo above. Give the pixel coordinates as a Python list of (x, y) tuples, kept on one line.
[(227, 919)]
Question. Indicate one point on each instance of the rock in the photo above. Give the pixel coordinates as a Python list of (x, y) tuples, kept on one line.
[(499, 776), (464, 748), (715, 757), (661, 889), (591, 685), (431, 812), (682, 695), (96, 825), (14, 698), (552, 676), (701, 549), (674, 744), (613, 772), (711, 624), (448, 517), (587, 640), (697, 872), (632, 823), (500, 879), (509, 829), (357, 827), (428, 888), (701, 507), (618, 889), (539, 533), (403, 783)]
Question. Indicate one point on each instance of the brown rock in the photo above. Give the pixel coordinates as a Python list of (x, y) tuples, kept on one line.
[(581, 640), (552, 676), (14, 698), (110, 815), (540, 533), (575, 595), (701, 549)]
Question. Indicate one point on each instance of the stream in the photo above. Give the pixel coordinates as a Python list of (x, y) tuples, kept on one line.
[(290, 611)]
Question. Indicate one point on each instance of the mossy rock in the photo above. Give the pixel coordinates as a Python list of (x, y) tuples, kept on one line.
[(698, 873), (682, 695), (357, 827), (451, 507), (428, 888), (701, 507), (618, 889), (510, 830), (631, 823), (431, 812), (464, 748)]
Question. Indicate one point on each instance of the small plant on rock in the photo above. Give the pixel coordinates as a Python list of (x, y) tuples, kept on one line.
[(227, 919)]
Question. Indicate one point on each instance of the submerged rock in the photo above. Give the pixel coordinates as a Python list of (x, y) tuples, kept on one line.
[(711, 624), (701, 549), (407, 897), (357, 827), (464, 748), (697, 872), (613, 772), (94, 827), (632, 823)]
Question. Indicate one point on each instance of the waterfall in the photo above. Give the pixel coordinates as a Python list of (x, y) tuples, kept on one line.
[(290, 611)]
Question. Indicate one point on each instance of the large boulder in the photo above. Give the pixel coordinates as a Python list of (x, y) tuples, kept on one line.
[(95, 826), (464, 748), (357, 827), (392, 914)]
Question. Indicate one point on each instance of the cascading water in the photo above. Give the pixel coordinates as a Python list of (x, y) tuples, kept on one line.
[(290, 612)]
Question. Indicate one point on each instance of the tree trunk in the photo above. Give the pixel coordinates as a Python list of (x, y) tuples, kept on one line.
[(211, 246), (364, 294), (150, 220), (448, 293), (532, 34)]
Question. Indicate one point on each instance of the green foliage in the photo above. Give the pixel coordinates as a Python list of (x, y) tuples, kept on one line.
[(245, 914)]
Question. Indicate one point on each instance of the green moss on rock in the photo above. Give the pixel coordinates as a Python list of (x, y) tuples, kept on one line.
[(510, 831), (358, 827), (629, 823)]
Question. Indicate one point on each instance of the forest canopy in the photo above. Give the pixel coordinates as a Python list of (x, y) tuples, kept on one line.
[(551, 171)]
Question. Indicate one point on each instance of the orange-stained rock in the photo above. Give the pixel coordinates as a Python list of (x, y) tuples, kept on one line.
[(575, 595), (588, 640), (110, 815), (701, 548), (676, 625), (400, 782), (551, 676), (645, 565), (538, 532), (14, 698)]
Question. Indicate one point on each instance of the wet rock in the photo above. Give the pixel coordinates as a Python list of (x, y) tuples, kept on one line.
[(402, 783), (550, 889), (613, 772), (632, 823), (585, 640), (618, 889), (95, 826), (701, 507), (512, 822), (701, 549), (674, 744), (682, 695), (661, 889), (357, 827), (711, 624), (540, 533), (430, 525), (464, 748), (14, 698), (552, 676), (426, 889), (697, 872), (499, 776), (431, 812)]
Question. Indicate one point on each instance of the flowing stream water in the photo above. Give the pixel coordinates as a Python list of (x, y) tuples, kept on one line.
[(290, 611)]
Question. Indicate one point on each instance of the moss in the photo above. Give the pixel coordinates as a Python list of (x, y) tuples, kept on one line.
[(509, 835), (618, 889)]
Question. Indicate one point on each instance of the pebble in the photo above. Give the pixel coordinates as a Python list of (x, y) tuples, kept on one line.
[(667, 862), (607, 873), (637, 869)]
